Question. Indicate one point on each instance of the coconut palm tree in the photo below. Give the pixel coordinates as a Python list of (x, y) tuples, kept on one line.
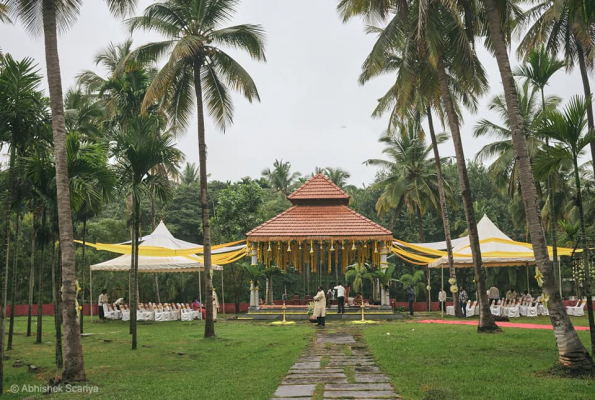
[(356, 275), (415, 93), (538, 69), (504, 166), (4, 14), (190, 174), (280, 177), (338, 176), (195, 41), (410, 180), (567, 129), (139, 150), (566, 27), (572, 354), (439, 36), (47, 17)]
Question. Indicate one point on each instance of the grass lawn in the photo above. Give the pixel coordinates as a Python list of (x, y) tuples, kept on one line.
[(245, 361), (439, 362)]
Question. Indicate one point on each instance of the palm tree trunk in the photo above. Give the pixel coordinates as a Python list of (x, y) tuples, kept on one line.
[(13, 295), (552, 194), (586, 257), (40, 282), (134, 270), (84, 265), (443, 210), (56, 301), (572, 355), (486, 320), (31, 277), (587, 90), (206, 226), (155, 278), (7, 261), (74, 367)]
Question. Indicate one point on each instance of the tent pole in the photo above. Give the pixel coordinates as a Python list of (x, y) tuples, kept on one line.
[(429, 298), (527, 267), (222, 291), (91, 300)]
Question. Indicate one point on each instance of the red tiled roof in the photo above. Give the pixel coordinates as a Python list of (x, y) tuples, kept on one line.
[(319, 222), (319, 187)]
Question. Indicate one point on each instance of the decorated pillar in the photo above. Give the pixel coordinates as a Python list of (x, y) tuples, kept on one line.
[(384, 293), (253, 285)]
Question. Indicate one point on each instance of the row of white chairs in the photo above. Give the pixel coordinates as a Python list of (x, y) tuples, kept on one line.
[(515, 309), (154, 312)]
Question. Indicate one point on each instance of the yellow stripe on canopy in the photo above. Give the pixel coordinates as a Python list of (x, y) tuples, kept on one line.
[(154, 251)]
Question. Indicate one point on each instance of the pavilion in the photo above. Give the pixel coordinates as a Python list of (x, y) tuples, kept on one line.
[(319, 232)]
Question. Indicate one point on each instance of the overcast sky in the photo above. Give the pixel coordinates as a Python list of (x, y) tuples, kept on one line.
[(313, 111)]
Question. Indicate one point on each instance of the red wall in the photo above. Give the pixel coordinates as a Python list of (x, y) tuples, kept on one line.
[(21, 310)]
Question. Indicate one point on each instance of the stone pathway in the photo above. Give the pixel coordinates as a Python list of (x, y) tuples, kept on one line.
[(335, 366)]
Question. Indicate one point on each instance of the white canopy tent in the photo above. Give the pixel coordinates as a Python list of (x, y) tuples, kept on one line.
[(161, 237), (494, 253)]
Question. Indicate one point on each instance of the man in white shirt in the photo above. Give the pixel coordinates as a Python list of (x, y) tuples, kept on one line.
[(119, 302), (340, 298), (442, 300), (101, 301)]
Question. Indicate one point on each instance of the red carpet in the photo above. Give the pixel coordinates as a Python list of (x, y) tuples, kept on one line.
[(501, 324)]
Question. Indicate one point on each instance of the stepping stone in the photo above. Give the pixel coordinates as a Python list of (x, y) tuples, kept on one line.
[(345, 363), (359, 386), (336, 340), (323, 370), (306, 365), (295, 390), (292, 398), (310, 359), (371, 378), (373, 394), (314, 380), (320, 375), (367, 368)]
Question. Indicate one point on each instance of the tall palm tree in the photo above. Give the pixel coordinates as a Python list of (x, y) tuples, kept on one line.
[(21, 111), (538, 69), (411, 180), (337, 175), (566, 27), (439, 37), (572, 354), (504, 166), (415, 93), (280, 177), (567, 129), (140, 149), (195, 38), (190, 174), (47, 16), (4, 13)]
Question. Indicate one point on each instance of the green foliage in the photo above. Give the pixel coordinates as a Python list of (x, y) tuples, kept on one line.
[(417, 281)]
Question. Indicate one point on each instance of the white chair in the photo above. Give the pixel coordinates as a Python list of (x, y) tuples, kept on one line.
[(471, 308), (513, 311), (450, 310), (109, 312), (162, 314), (496, 309), (578, 310), (125, 314), (532, 310)]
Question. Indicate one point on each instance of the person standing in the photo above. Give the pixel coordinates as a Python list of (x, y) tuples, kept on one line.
[(329, 297), (320, 307), (340, 298), (100, 302), (463, 297), (511, 295), (442, 299), (493, 294), (411, 298)]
